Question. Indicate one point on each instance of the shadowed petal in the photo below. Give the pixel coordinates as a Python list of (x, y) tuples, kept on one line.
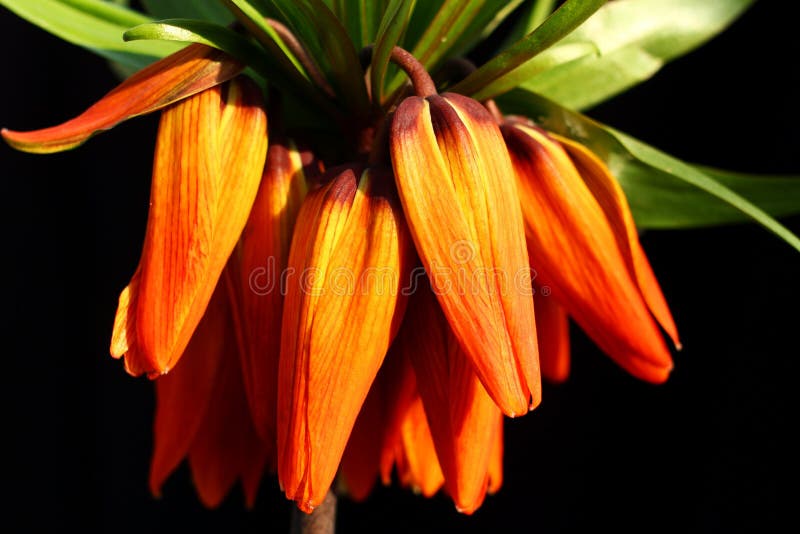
[(496, 460), (417, 464), (202, 413), (400, 390), (574, 249), (183, 396), (259, 261), (182, 74), (553, 325), (226, 447), (349, 256), (361, 459), (208, 164), (611, 197), (462, 417), (452, 172)]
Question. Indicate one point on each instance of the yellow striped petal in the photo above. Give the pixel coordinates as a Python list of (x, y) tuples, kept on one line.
[(453, 174), (209, 159)]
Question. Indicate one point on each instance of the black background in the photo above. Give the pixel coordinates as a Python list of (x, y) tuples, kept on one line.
[(709, 451)]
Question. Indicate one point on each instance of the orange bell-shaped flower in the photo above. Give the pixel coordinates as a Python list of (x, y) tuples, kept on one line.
[(453, 175)]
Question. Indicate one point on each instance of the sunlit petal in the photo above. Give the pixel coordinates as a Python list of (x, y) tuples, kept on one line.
[(182, 74), (350, 254), (208, 164), (452, 172)]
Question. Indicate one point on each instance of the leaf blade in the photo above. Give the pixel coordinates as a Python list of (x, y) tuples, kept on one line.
[(487, 81), (634, 39), (93, 25)]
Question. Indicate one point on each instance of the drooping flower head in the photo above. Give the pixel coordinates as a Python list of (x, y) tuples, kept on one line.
[(372, 312)]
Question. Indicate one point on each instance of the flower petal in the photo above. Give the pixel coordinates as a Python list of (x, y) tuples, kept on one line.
[(400, 390), (202, 413), (573, 248), (208, 164), (462, 417), (361, 459), (350, 254), (417, 463), (553, 325), (182, 74), (496, 460), (183, 396), (611, 197), (258, 263), (452, 173), (226, 447)]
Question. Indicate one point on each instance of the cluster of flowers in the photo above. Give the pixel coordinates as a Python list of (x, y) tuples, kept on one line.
[(341, 369)]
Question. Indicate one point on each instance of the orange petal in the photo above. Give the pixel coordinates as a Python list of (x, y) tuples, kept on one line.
[(258, 263), (611, 197), (462, 417), (452, 173), (400, 390), (201, 412), (209, 158), (496, 460), (183, 396), (349, 256), (573, 248), (361, 459), (417, 464), (553, 325), (226, 446), (182, 74)]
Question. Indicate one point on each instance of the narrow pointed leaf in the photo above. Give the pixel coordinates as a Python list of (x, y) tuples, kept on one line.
[(209, 34), (255, 20), (447, 26), (210, 10), (361, 18), (487, 81), (486, 20), (534, 14), (327, 42), (652, 180), (173, 78), (95, 25), (392, 27), (633, 39)]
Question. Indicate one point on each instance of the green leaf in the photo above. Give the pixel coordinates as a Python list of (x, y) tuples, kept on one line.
[(255, 20), (393, 25), (202, 32), (361, 18), (439, 29), (532, 16), (498, 75), (663, 191), (209, 10), (327, 42), (634, 39), (95, 25)]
